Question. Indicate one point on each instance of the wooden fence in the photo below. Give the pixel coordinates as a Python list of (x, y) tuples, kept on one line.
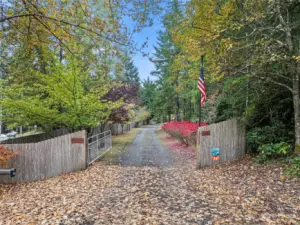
[(49, 158), (116, 129), (34, 138), (47, 155), (220, 142)]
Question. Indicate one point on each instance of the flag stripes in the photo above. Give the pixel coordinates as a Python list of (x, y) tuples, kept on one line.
[(202, 87)]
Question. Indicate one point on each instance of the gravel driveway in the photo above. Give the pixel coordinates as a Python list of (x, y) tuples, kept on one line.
[(146, 150), (153, 185)]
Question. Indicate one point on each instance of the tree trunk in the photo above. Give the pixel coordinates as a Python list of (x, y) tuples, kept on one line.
[(60, 54), (296, 102), (296, 72), (184, 111), (177, 109), (177, 116), (190, 110), (122, 125)]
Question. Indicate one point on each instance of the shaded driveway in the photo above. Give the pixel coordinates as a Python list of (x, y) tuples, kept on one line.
[(146, 150)]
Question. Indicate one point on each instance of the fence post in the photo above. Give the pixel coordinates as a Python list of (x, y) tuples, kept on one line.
[(86, 149), (105, 140), (197, 148)]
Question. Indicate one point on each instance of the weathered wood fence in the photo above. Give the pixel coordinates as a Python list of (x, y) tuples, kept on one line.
[(37, 137), (40, 156), (116, 129), (220, 142), (49, 158)]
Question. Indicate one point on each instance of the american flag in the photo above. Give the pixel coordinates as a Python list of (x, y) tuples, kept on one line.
[(202, 87)]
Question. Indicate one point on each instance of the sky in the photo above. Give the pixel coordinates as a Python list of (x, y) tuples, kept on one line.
[(143, 63)]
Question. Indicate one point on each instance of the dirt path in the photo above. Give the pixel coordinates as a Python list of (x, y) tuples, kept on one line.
[(153, 185)]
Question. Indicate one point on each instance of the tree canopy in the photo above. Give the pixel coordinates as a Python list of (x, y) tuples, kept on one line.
[(61, 60)]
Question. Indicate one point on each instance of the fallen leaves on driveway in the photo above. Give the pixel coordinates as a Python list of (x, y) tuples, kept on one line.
[(238, 192), (70, 198)]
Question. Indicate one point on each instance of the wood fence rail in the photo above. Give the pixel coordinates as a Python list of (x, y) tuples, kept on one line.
[(49, 158), (228, 138)]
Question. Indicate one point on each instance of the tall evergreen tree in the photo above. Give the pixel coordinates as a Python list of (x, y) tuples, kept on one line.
[(131, 74), (147, 93), (168, 96)]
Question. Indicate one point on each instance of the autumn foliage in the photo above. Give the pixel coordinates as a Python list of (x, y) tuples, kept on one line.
[(5, 154), (185, 131)]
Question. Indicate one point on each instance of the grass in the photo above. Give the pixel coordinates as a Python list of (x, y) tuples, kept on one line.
[(120, 145)]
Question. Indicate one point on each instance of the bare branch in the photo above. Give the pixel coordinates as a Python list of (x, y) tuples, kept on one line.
[(49, 29), (14, 17), (274, 82)]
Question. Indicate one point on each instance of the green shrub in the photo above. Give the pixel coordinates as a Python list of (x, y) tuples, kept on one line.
[(276, 133), (273, 151), (294, 168), (255, 138)]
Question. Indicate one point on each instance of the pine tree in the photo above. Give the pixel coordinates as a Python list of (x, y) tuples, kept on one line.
[(131, 75), (168, 99)]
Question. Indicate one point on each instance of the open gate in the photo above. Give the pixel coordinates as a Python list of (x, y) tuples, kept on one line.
[(98, 145)]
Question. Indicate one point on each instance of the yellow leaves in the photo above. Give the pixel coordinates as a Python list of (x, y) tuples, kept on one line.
[(202, 33), (179, 88), (230, 46), (34, 43), (297, 58), (282, 178), (141, 114)]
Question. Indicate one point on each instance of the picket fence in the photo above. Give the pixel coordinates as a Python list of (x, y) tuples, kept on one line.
[(229, 137)]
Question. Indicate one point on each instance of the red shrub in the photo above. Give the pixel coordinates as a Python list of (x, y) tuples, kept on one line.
[(185, 131)]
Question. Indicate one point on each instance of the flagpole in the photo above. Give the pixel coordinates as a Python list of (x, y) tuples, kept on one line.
[(201, 68), (200, 110)]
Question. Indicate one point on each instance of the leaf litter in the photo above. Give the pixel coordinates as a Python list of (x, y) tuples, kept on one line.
[(237, 192)]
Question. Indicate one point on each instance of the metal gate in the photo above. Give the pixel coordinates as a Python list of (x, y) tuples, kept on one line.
[(97, 145)]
